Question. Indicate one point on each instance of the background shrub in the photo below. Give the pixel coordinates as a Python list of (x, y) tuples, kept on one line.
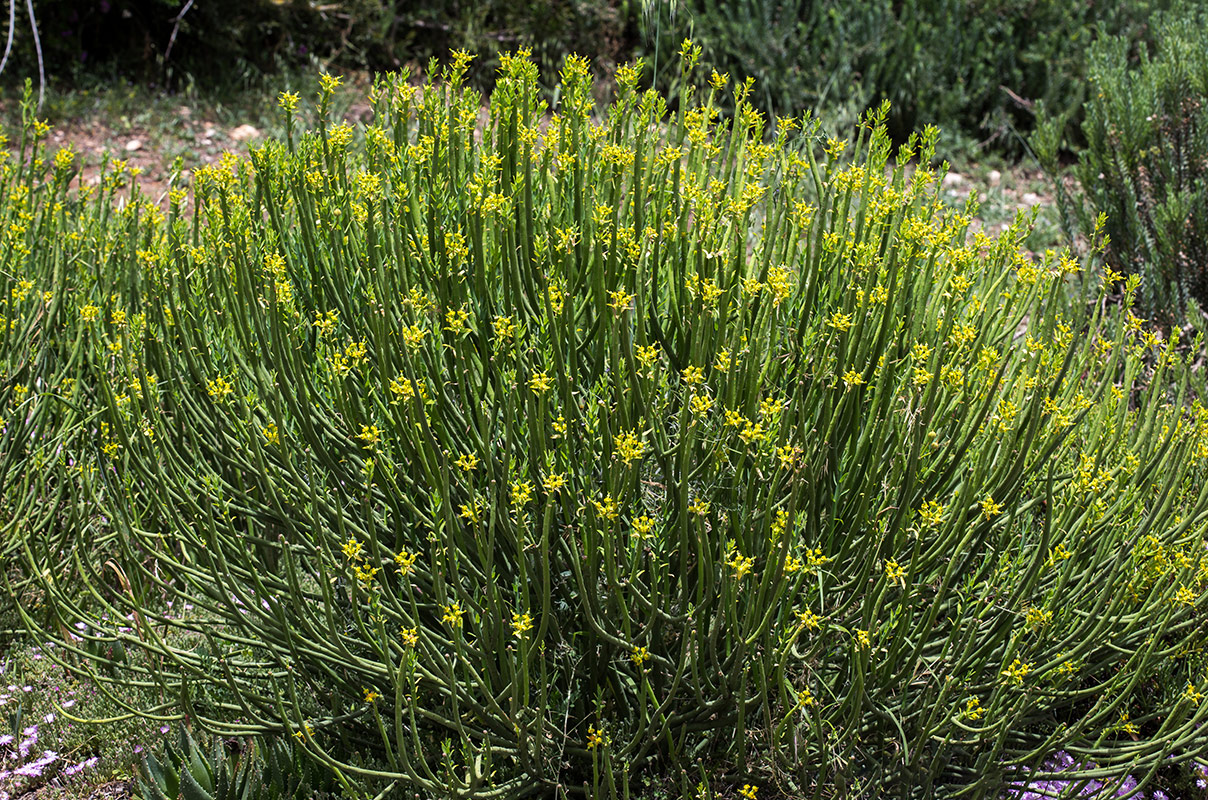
[(1145, 165), (975, 66)]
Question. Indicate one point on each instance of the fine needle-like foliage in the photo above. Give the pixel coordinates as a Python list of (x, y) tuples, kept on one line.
[(501, 449)]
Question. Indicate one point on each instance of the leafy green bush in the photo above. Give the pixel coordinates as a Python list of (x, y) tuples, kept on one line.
[(1145, 165), (974, 67), (558, 450)]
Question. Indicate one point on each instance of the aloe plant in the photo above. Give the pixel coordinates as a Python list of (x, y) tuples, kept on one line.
[(257, 771), (553, 448)]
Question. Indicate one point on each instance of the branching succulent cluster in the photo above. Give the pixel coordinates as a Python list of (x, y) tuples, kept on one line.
[(500, 448)]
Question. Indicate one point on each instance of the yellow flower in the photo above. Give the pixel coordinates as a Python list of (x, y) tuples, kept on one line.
[(371, 696), (742, 565), (1184, 596), (815, 559), (452, 615), (809, 620), (973, 709), (521, 625), (835, 147), (805, 698), (352, 549), (839, 321), (748, 791), (619, 300), (642, 526), (1058, 553), (608, 508), (413, 336), (370, 435), (780, 524), (693, 375), (629, 447), (894, 571), (410, 636), (505, 328), (700, 404), (554, 481), (405, 562), (753, 432), (329, 83), (89, 312), (456, 320), (595, 737), (788, 455), (862, 638), (467, 462), (853, 378), (723, 361), (470, 512), (990, 509), (639, 656), (219, 388), (699, 507), (932, 513), (270, 433), (1017, 671), (326, 323), (540, 382), (522, 492), (365, 573), (1037, 618)]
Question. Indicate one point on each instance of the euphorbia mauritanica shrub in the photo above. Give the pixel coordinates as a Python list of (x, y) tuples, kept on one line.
[(503, 449)]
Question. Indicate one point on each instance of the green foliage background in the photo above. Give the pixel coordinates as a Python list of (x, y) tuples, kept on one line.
[(1145, 164), (975, 67)]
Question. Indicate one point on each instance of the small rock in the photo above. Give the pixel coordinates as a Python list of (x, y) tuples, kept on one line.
[(1030, 199), (994, 177), (184, 112), (134, 144), (210, 132), (953, 179), (243, 133)]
